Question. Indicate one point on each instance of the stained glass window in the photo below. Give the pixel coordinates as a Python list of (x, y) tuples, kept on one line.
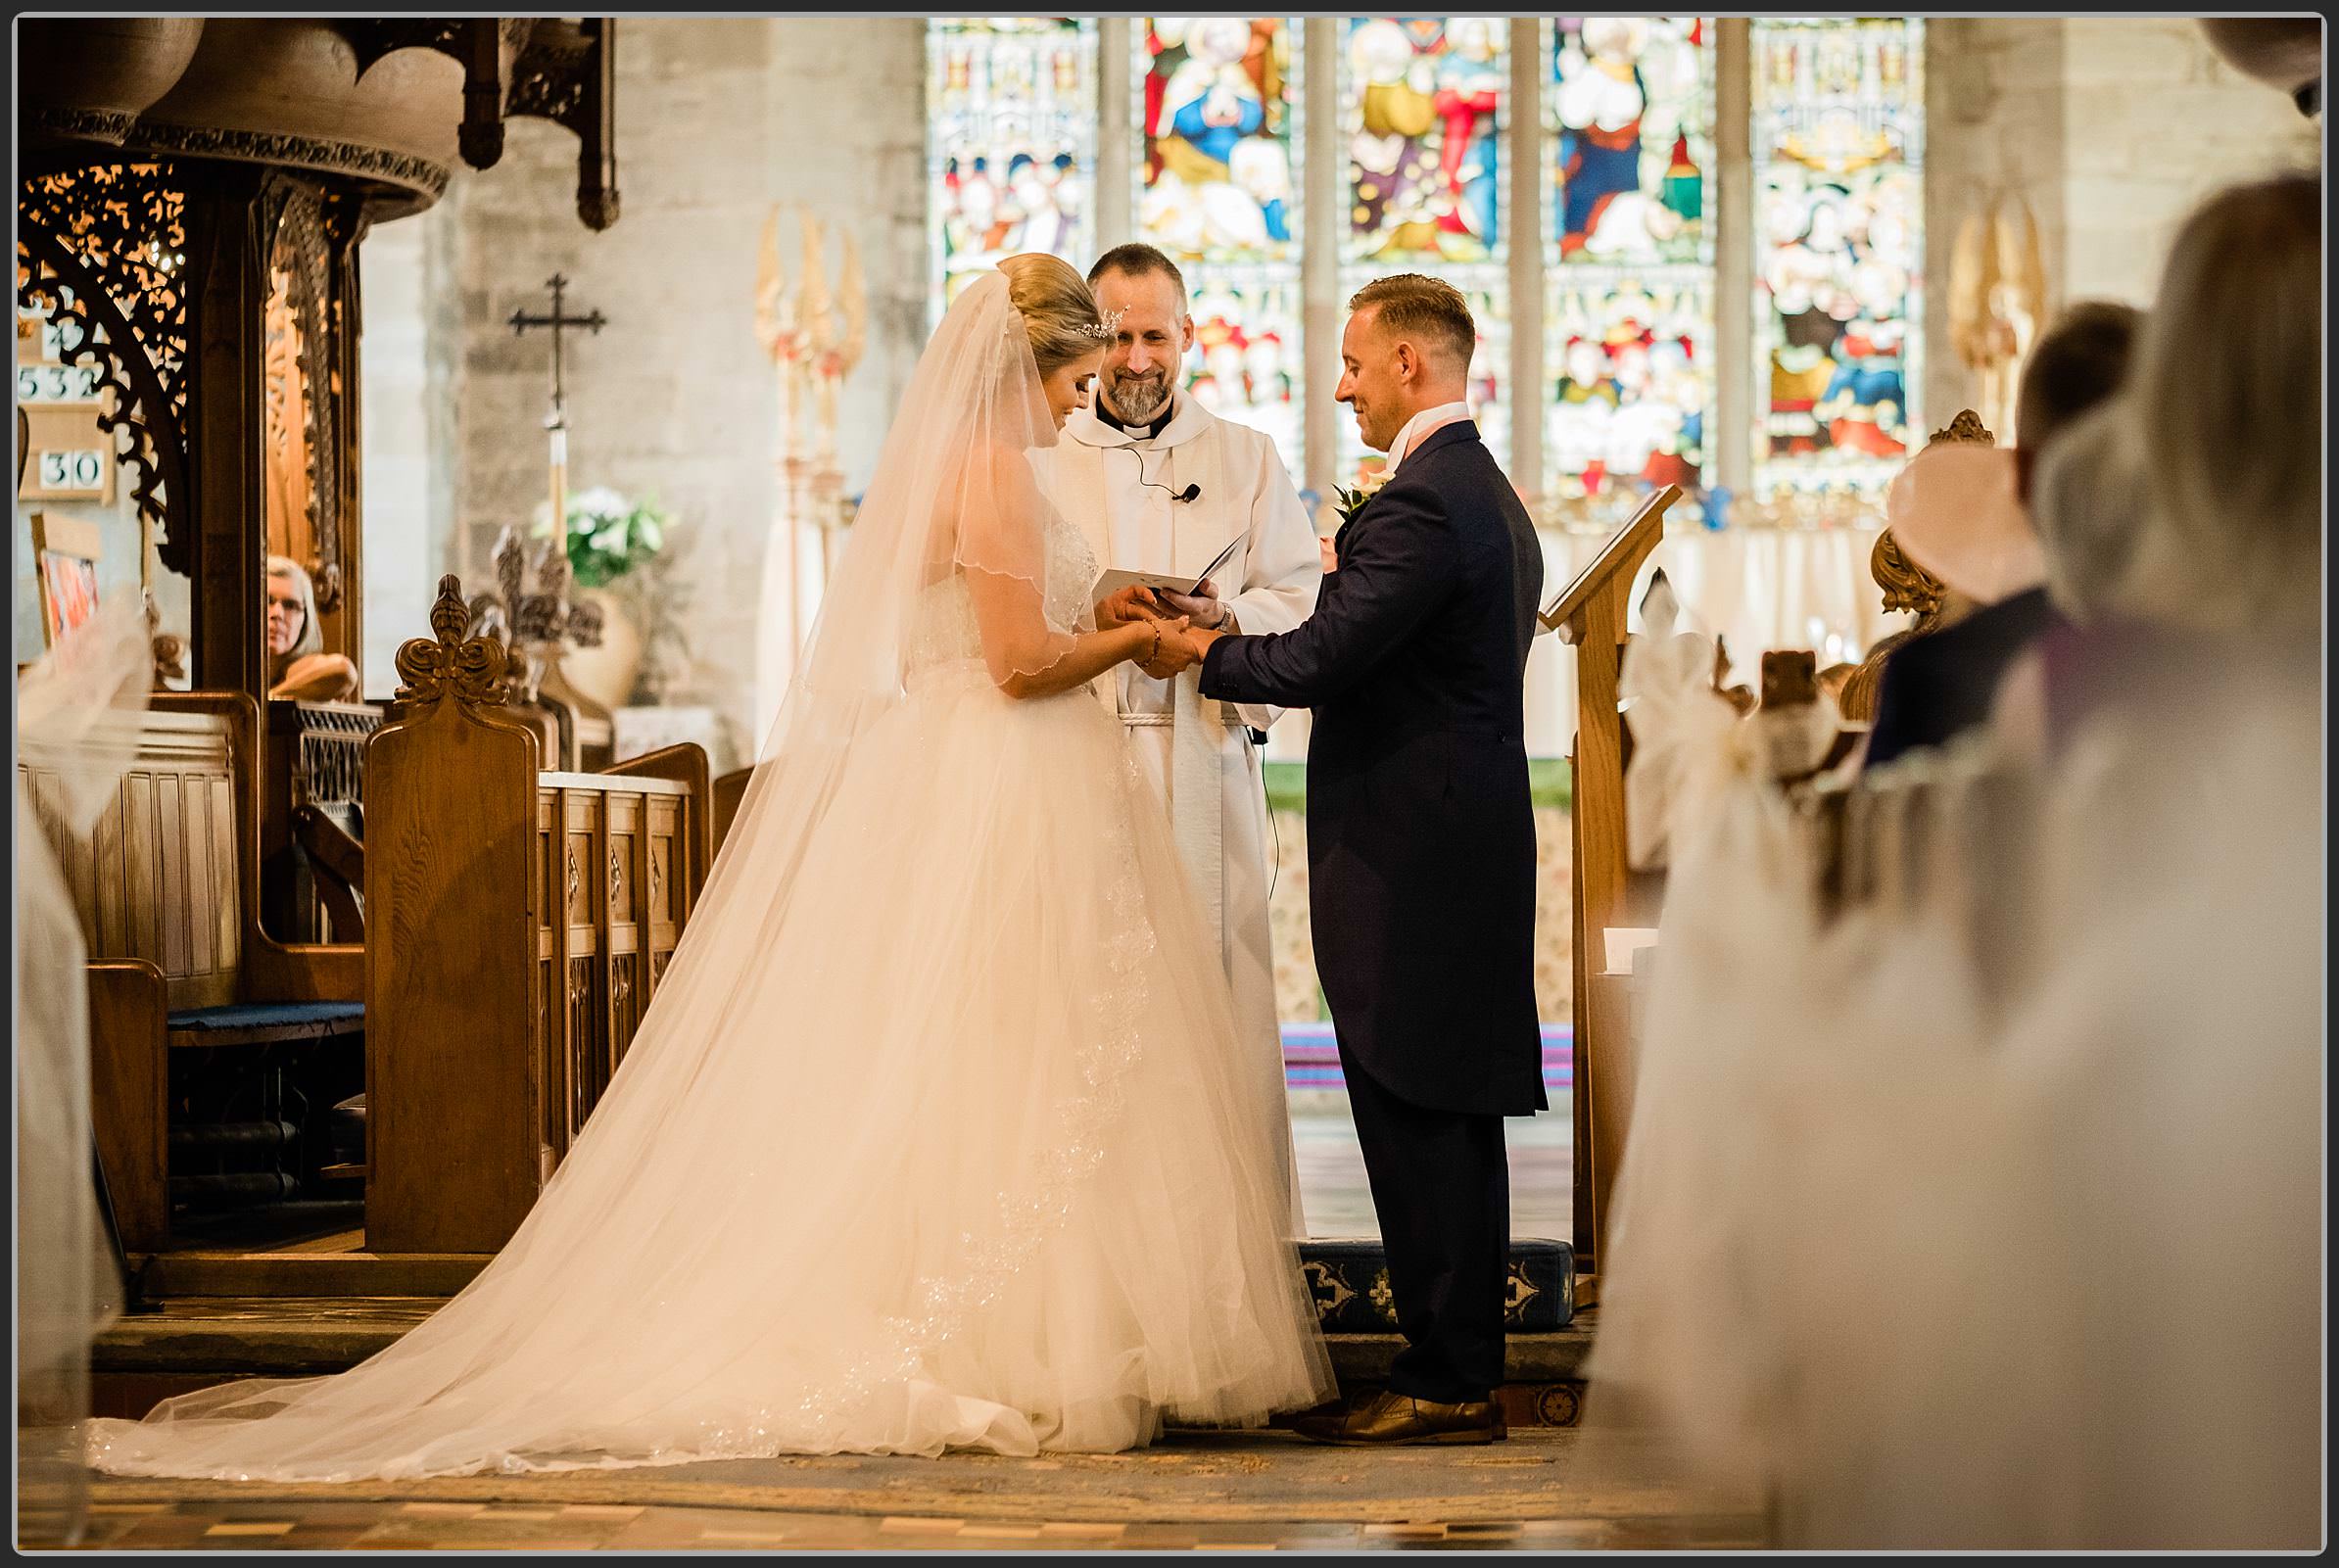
[(1220, 195), (1837, 149), (1421, 182), (1424, 103), (1246, 363), (1628, 311), (1630, 108), (1011, 102), (1630, 371)]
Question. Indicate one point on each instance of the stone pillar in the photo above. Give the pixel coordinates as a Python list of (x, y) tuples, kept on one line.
[(1117, 149), (1324, 168), (1739, 369), (402, 562), (1529, 179)]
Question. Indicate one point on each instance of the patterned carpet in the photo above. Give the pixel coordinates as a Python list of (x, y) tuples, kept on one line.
[(1311, 1058), (1191, 1477)]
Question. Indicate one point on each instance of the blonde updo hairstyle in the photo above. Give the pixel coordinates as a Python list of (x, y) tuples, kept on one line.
[(1061, 320)]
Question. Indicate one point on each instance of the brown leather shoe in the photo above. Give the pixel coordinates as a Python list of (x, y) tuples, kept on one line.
[(1387, 1417)]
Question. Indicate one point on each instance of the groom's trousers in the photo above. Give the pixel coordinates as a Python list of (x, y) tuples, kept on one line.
[(1441, 1185)]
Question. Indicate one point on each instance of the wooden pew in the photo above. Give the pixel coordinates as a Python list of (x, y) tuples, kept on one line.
[(1589, 614), (521, 921), (168, 886), (730, 791)]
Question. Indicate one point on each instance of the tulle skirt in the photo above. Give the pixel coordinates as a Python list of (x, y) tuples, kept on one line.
[(936, 1138)]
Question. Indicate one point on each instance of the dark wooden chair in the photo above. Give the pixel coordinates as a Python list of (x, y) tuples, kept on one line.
[(730, 791)]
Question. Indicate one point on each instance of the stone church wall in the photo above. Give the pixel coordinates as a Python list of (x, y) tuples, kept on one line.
[(2111, 127)]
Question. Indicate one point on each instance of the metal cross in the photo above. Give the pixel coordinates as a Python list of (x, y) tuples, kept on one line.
[(521, 321)]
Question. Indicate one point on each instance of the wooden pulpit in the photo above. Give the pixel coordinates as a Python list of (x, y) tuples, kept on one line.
[(1590, 615)]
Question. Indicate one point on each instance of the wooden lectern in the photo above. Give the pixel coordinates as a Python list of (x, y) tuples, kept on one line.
[(1589, 614)]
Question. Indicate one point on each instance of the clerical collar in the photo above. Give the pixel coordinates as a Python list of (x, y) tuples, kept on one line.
[(1151, 432)]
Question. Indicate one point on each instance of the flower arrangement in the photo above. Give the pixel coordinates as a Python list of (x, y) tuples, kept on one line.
[(1351, 501), (609, 534)]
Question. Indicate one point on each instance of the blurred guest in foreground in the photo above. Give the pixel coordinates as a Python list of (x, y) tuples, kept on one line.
[(1938, 686), (1943, 1174), (2182, 522)]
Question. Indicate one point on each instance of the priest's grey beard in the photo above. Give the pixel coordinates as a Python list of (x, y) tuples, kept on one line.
[(1139, 398)]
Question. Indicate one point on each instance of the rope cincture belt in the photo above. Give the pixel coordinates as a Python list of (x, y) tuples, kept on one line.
[(1227, 716)]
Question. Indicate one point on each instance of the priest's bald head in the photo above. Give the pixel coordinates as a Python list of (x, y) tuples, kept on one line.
[(1143, 295)]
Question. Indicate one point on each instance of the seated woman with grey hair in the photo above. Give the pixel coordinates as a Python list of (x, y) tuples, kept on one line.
[(298, 667)]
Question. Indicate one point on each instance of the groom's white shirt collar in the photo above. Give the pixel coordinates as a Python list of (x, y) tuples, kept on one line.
[(1417, 428), (1187, 421)]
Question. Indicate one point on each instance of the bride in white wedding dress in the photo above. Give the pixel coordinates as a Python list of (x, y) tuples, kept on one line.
[(938, 1136)]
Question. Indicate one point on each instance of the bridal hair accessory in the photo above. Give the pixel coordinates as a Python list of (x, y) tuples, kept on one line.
[(1106, 327)]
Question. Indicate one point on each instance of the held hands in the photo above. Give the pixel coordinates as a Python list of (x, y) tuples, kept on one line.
[(1203, 619), (1185, 647), (1159, 654), (1163, 653), (1177, 648)]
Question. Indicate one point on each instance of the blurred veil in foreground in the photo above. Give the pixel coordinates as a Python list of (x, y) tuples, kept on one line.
[(77, 733)]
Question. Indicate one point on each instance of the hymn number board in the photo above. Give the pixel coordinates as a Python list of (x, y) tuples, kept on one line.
[(70, 457)]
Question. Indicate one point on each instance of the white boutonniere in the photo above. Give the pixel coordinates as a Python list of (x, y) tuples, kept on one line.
[(1349, 503)]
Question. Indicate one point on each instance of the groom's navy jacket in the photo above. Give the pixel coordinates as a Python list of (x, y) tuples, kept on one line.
[(1420, 837)]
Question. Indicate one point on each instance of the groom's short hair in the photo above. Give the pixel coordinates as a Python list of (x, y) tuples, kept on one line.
[(1136, 260), (1411, 305)]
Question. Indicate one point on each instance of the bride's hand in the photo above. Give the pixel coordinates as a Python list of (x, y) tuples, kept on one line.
[(1168, 652), (1120, 608)]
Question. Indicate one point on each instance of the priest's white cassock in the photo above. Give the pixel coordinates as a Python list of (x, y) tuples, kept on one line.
[(1118, 487)]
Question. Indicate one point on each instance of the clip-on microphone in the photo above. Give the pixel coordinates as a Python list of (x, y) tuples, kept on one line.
[(1190, 493)]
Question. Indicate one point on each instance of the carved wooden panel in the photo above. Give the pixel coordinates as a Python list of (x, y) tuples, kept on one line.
[(103, 249), (159, 877), (588, 1041), (514, 973), (450, 983)]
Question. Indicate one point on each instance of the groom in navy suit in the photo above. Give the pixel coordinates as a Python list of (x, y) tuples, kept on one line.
[(1421, 846)]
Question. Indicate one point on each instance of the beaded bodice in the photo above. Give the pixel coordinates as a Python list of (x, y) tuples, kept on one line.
[(947, 632)]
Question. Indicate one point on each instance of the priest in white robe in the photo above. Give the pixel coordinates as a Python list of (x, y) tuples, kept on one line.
[(1160, 484)]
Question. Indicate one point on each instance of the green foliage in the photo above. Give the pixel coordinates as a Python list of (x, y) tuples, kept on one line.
[(609, 536), (1547, 784)]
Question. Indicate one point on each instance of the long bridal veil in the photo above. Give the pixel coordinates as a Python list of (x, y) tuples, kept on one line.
[(957, 485)]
